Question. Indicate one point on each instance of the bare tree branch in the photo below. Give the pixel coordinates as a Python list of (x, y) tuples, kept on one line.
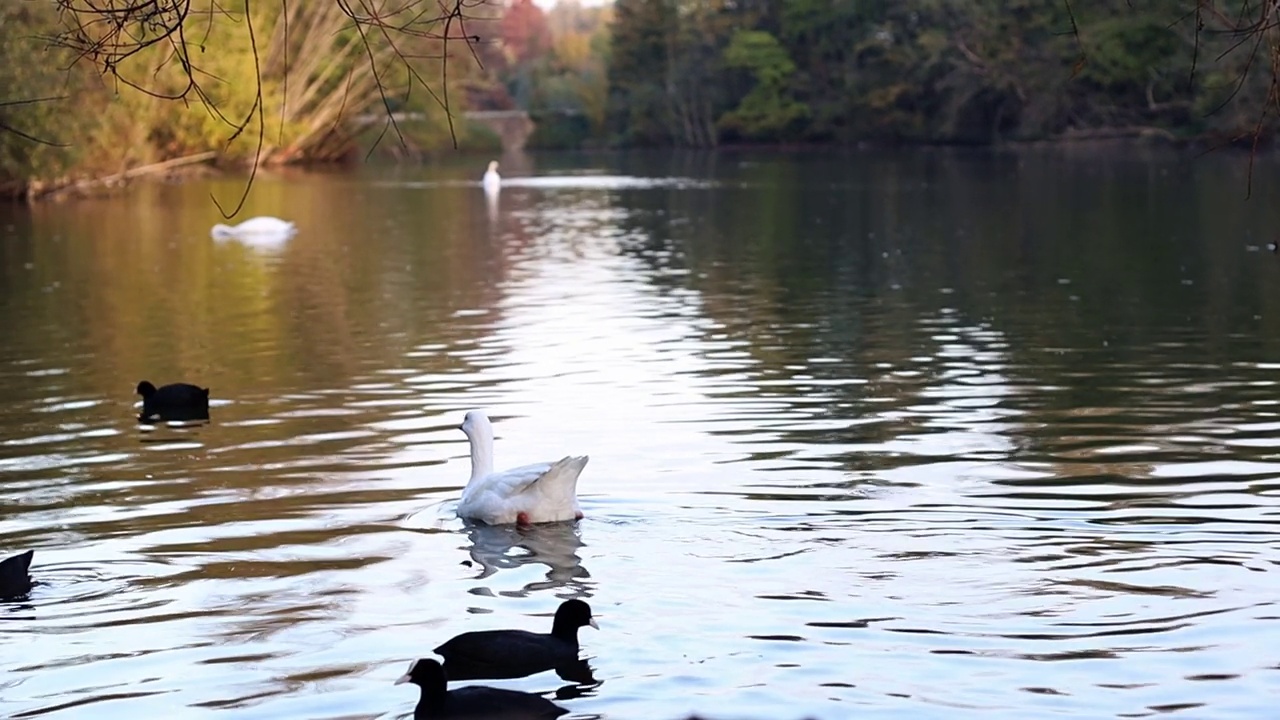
[(24, 135)]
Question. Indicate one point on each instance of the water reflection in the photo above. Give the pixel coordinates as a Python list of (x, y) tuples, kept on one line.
[(508, 547), (491, 198), (178, 417)]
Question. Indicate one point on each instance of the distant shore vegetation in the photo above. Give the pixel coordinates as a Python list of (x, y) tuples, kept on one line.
[(96, 92)]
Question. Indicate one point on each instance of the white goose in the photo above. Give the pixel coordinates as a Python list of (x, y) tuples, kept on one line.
[(541, 493), (492, 180), (260, 229)]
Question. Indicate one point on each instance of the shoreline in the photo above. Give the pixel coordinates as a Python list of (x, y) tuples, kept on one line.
[(80, 187), (210, 163)]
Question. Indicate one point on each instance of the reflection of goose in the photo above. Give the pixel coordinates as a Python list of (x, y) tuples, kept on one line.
[(491, 206), (256, 230), (15, 575), (437, 701), (541, 493), (502, 654), (492, 180), (554, 545)]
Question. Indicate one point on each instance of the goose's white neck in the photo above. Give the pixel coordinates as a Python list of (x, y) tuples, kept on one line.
[(480, 433)]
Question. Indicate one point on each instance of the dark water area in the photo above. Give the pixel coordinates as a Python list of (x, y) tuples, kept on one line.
[(922, 433)]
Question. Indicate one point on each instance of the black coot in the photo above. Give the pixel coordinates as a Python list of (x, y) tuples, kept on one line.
[(437, 702), (179, 401), (500, 654), (15, 575)]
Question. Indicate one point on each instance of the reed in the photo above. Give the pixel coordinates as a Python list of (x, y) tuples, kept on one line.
[(272, 82)]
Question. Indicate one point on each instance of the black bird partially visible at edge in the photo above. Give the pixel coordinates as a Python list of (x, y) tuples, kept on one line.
[(15, 575)]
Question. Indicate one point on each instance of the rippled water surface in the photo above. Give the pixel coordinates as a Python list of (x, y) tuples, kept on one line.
[(924, 434)]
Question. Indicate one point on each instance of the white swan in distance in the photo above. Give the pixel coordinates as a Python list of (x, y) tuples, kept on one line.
[(257, 229), (492, 180), (541, 493)]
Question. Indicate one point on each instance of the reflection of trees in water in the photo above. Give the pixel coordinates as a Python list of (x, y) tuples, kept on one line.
[(820, 304), (993, 305), (143, 279), (975, 222), (555, 545)]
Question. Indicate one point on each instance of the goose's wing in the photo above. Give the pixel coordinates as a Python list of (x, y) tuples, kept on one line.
[(506, 483), (556, 490), (499, 498), (543, 492)]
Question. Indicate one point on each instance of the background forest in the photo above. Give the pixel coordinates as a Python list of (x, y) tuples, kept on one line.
[(950, 71), (695, 73)]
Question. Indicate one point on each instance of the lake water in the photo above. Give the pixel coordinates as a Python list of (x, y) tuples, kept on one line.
[(915, 434)]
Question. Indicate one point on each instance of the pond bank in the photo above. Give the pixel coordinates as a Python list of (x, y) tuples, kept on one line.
[(180, 169)]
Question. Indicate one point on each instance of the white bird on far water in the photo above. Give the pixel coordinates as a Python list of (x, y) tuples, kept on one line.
[(492, 180), (256, 230)]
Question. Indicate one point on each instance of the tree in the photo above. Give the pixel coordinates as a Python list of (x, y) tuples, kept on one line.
[(972, 71), (524, 31), (569, 82), (638, 54), (768, 109)]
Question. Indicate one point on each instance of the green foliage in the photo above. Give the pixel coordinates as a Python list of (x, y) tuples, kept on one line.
[(37, 128), (768, 110), (561, 131), (762, 54), (971, 71), (280, 96), (475, 137), (644, 72), (637, 110), (551, 65)]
